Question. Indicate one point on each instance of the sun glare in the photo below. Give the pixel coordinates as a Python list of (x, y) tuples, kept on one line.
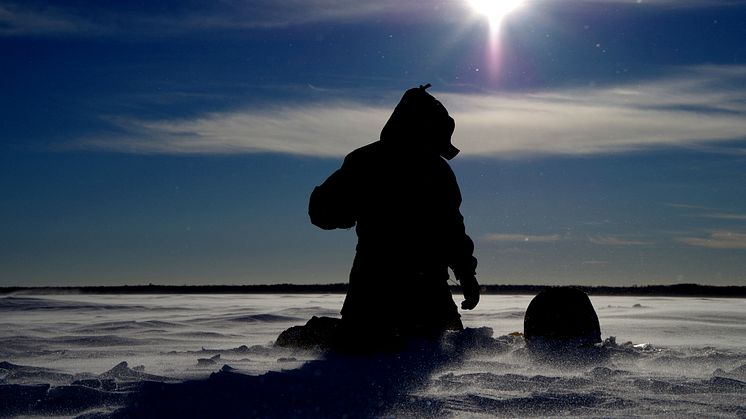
[(495, 10)]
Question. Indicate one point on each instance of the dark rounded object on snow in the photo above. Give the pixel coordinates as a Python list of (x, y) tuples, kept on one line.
[(561, 316), (317, 333)]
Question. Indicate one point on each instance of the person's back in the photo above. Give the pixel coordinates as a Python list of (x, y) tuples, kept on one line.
[(403, 198)]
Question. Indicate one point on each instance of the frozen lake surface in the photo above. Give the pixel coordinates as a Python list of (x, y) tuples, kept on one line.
[(686, 357)]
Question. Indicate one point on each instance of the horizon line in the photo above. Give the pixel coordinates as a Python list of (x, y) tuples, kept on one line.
[(672, 290)]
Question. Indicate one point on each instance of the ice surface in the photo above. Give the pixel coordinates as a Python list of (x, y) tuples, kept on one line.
[(67, 355)]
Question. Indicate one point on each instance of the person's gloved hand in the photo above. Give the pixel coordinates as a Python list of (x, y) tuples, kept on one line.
[(470, 288)]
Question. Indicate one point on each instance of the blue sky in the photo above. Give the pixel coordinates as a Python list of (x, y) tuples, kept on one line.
[(603, 141)]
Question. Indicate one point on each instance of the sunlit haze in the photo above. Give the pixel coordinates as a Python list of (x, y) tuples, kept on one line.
[(495, 10)]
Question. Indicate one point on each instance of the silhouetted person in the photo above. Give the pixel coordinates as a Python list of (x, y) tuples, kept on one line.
[(403, 199)]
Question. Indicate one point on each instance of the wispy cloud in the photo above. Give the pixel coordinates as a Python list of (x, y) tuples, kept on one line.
[(617, 241), (724, 216), (293, 12), (687, 206), (718, 239), (709, 212), (525, 238), (706, 104), (701, 105), (267, 14), (54, 18), (16, 21), (665, 3), (595, 262), (271, 13), (321, 130)]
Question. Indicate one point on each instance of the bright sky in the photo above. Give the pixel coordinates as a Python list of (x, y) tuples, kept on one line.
[(177, 142)]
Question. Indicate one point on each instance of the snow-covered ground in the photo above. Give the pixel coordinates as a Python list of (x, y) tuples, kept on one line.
[(687, 356)]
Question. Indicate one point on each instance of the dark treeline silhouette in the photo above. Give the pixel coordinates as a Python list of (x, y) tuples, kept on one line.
[(676, 290)]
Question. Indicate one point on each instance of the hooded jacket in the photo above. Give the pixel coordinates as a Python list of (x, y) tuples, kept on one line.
[(403, 199)]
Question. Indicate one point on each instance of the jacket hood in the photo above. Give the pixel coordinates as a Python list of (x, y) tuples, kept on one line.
[(421, 121)]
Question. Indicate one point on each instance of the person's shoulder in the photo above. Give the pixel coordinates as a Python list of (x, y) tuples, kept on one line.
[(366, 152)]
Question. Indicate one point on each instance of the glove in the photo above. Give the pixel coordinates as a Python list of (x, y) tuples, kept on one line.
[(470, 288)]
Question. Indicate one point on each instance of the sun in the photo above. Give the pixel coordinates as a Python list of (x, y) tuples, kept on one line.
[(495, 10)]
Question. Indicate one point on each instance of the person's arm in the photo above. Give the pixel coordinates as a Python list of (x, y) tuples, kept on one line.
[(332, 203), (461, 252), (464, 266)]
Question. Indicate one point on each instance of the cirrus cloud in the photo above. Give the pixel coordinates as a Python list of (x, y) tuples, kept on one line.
[(16, 20), (617, 241), (40, 17), (718, 239), (724, 216), (700, 106), (523, 238)]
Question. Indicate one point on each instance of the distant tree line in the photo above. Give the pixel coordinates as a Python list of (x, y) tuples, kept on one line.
[(676, 290)]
